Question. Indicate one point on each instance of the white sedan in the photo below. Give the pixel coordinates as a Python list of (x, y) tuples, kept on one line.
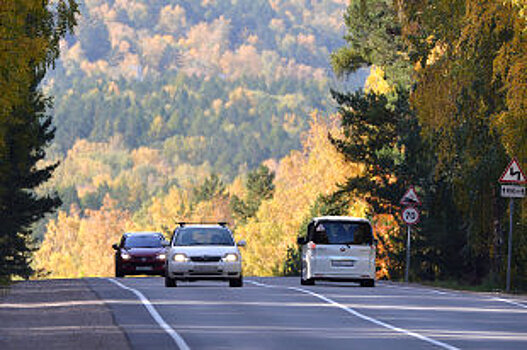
[(203, 252)]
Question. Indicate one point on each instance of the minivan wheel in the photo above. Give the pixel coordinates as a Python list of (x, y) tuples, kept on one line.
[(237, 282), (170, 282), (367, 283), (305, 281)]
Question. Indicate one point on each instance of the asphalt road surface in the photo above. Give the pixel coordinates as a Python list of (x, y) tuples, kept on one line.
[(278, 313)]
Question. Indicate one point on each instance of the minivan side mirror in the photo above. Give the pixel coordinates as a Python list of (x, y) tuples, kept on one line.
[(241, 243), (165, 243), (301, 240), (115, 246)]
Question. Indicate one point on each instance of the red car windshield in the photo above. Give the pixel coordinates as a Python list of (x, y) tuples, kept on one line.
[(144, 241)]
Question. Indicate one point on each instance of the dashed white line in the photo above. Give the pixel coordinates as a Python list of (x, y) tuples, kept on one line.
[(366, 318), (155, 315)]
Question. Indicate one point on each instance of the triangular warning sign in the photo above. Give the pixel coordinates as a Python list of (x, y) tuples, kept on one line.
[(410, 197), (513, 173)]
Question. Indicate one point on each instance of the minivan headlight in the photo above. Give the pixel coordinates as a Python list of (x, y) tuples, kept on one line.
[(180, 258), (230, 257), (125, 256), (161, 256)]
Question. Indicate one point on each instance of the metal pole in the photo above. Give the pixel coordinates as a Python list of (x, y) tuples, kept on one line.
[(509, 254), (407, 256)]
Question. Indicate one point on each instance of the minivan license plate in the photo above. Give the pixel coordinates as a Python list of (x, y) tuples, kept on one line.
[(342, 263)]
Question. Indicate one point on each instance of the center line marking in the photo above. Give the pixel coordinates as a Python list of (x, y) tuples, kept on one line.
[(364, 317), (155, 315)]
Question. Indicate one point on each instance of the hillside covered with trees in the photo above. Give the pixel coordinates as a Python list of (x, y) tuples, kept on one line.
[(223, 83)]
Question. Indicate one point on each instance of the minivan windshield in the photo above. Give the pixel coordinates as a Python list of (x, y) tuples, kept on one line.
[(188, 236), (144, 241), (342, 232)]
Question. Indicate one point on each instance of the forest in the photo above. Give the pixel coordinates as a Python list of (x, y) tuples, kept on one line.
[(267, 113)]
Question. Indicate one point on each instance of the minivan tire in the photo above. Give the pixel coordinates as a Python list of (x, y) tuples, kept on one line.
[(367, 283), (305, 281), (170, 282)]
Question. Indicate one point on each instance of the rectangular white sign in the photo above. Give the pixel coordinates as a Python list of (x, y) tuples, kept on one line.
[(512, 191)]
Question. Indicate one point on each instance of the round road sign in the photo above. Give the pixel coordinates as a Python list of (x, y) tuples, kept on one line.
[(410, 215)]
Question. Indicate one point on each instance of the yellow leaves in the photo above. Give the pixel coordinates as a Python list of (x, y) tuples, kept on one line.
[(77, 246), (510, 66), (245, 61), (113, 88), (217, 106), (153, 48), (307, 40), (376, 82), (172, 18), (277, 25), (436, 53), (18, 50), (156, 126), (253, 39)]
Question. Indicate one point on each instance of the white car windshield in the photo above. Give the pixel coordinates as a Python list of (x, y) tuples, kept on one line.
[(189, 236)]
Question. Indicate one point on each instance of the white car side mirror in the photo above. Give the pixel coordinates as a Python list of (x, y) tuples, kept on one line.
[(241, 243)]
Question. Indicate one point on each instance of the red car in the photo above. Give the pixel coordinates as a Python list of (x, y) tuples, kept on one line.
[(140, 253)]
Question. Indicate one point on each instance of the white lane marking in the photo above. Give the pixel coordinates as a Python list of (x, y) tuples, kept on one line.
[(260, 284), (367, 318), (435, 291), (155, 315), (427, 290), (511, 302)]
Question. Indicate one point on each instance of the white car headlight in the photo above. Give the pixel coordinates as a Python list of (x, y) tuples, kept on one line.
[(162, 256), (125, 256), (230, 257), (180, 258)]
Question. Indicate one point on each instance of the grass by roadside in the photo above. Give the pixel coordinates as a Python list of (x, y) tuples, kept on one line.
[(4, 287)]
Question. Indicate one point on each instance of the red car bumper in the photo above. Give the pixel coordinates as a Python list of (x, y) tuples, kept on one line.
[(143, 267)]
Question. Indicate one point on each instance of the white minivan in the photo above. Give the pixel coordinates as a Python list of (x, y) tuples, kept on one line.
[(338, 248)]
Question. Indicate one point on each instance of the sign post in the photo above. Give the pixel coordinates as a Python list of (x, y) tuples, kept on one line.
[(411, 217), (512, 176)]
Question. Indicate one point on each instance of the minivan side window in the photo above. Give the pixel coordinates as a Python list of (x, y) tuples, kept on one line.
[(310, 231)]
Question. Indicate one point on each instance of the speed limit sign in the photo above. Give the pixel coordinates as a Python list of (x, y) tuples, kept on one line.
[(410, 215)]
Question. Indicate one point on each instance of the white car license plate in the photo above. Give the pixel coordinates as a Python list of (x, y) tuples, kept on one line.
[(206, 268), (342, 263), (143, 268)]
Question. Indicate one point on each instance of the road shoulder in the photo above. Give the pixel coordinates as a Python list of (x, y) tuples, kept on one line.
[(57, 314)]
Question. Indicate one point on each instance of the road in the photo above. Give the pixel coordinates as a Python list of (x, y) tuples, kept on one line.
[(277, 313)]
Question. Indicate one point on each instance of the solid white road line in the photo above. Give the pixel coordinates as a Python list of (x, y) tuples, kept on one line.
[(364, 317), (511, 302), (435, 291), (155, 315)]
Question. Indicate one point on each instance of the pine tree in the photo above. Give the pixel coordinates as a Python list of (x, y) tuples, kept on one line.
[(260, 187), (25, 125)]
